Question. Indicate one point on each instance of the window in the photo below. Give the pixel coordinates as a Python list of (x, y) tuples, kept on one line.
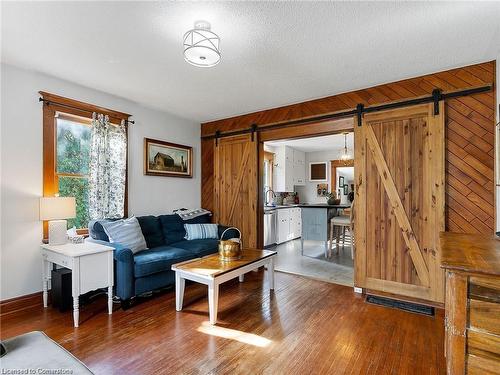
[(268, 170), (72, 164), (66, 152)]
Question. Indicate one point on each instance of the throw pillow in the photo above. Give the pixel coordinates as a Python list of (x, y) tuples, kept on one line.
[(126, 232), (201, 231)]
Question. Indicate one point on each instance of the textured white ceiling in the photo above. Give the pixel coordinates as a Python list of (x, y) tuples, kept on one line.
[(324, 143), (274, 53)]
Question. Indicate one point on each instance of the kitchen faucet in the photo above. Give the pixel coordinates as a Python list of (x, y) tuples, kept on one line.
[(266, 195)]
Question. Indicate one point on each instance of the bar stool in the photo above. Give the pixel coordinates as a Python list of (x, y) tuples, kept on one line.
[(338, 227)]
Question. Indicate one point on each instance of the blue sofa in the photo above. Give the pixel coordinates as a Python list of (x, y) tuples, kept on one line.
[(150, 269)]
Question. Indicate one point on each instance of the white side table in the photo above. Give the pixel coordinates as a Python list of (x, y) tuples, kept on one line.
[(91, 265)]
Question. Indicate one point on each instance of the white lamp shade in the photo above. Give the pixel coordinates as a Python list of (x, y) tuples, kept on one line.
[(57, 208)]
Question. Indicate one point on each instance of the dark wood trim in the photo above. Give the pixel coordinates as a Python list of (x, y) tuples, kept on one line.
[(50, 183), (189, 149), (26, 302), (84, 109)]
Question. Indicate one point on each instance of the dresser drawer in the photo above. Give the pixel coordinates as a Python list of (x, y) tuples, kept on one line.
[(58, 259), (483, 344), (482, 366), (484, 316), (484, 289)]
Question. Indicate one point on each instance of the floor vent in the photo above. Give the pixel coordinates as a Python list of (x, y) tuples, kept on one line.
[(406, 306)]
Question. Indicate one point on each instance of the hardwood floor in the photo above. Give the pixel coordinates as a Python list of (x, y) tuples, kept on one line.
[(305, 327)]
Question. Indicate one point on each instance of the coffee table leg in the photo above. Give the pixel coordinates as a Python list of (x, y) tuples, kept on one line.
[(270, 273), (213, 301), (179, 291), (242, 278)]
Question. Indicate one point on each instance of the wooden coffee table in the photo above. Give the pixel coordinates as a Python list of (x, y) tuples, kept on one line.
[(212, 272)]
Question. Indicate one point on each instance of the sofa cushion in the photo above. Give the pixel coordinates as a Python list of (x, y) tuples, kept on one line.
[(172, 226), (151, 229), (96, 230), (126, 232), (201, 231), (199, 247), (159, 259)]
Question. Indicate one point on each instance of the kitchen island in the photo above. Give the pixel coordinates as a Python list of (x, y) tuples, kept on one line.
[(315, 222)]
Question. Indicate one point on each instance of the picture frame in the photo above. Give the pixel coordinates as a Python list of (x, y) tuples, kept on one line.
[(346, 189), (167, 159), (341, 181), (318, 171)]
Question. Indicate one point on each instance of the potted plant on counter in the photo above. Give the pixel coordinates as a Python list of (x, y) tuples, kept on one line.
[(332, 198)]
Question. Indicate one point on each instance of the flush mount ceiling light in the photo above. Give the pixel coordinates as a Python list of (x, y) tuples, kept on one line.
[(345, 156), (201, 46)]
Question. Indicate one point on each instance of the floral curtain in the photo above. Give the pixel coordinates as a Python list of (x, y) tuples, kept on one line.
[(108, 163)]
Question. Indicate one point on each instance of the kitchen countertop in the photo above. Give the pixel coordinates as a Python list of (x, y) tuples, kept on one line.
[(307, 205)]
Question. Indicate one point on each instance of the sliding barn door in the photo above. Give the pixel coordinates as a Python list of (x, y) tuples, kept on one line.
[(236, 185), (399, 204)]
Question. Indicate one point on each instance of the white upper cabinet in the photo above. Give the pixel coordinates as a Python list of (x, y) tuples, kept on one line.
[(299, 167), (283, 176)]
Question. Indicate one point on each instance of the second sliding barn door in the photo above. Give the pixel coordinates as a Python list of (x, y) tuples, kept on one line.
[(399, 204), (236, 185)]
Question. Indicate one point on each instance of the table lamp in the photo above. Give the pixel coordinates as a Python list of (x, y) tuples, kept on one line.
[(56, 210)]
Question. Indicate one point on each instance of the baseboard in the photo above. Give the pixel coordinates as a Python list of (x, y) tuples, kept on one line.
[(17, 304)]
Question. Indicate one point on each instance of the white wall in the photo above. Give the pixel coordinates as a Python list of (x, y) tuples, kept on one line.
[(21, 168), (307, 193)]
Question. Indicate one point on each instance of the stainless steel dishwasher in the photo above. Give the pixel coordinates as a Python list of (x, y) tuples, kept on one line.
[(270, 218)]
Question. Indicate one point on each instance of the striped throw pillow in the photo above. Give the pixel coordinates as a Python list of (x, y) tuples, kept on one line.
[(126, 232), (201, 231)]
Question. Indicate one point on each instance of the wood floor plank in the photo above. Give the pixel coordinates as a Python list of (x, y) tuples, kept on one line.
[(306, 326)]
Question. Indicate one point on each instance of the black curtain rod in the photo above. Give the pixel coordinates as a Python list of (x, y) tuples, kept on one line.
[(436, 96), (48, 102)]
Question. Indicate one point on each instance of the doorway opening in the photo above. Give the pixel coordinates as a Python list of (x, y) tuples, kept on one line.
[(308, 187)]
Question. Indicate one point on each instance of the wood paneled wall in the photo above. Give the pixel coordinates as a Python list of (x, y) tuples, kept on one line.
[(470, 138)]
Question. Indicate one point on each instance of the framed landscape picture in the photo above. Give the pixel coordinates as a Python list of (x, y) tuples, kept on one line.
[(167, 159)]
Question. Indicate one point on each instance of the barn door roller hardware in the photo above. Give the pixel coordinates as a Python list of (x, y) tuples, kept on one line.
[(254, 129), (217, 136), (436, 96), (359, 113)]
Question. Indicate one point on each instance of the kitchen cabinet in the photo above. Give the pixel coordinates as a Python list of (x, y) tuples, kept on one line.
[(289, 169), (283, 226), (299, 168), (289, 224), (295, 226)]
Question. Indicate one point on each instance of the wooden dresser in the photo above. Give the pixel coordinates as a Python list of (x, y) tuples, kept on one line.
[(472, 266)]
